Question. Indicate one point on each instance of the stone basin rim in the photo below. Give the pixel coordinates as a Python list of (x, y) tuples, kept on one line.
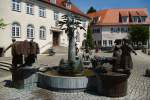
[(63, 76)]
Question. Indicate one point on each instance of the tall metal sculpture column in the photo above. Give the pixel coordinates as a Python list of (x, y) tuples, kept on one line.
[(70, 24)]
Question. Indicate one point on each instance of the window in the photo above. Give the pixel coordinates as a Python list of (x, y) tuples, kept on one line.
[(104, 43), (135, 19), (16, 30), (84, 35), (99, 43), (124, 29), (118, 29), (115, 29), (56, 15), (112, 30), (42, 33), (96, 30), (124, 19), (93, 30), (129, 29), (143, 18), (30, 8), (16, 5), (110, 43), (77, 37), (42, 11), (95, 43), (30, 31)]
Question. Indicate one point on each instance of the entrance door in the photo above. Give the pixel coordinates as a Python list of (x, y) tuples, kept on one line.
[(56, 38)]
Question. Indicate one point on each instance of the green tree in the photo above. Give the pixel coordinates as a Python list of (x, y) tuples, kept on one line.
[(89, 37), (139, 34), (91, 10), (2, 24)]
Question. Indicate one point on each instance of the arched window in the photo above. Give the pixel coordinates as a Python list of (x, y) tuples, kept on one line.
[(42, 34), (30, 31), (16, 30)]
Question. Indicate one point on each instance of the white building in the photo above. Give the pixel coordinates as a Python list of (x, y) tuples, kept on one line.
[(112, 24), (38, 19)]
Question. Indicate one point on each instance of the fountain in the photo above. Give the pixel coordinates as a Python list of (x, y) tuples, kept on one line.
[(70, 75)]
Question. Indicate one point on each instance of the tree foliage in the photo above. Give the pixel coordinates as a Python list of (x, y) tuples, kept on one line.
[(89, 37), (2, 24), (91, 10), (139, 33)]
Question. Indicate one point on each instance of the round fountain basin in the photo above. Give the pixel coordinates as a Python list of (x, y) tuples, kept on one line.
[(63, 83)]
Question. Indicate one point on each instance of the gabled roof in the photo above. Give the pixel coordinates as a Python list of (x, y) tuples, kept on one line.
[(133, 13), (62, 4), (142, 13), (112, 16), (124, 13)]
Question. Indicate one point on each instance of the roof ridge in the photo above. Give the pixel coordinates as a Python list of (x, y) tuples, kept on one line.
[(121, 9)]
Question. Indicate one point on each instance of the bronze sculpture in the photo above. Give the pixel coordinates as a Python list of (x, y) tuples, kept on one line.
[(126, 59), (117, 55)]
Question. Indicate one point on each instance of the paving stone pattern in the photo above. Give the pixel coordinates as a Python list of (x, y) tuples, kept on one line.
[(138, 88)]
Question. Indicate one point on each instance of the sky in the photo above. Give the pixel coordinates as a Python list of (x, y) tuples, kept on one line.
[(84, 5)]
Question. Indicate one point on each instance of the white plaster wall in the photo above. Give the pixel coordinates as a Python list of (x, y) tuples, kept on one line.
[(24, 19), (97, 36), (107, 35)]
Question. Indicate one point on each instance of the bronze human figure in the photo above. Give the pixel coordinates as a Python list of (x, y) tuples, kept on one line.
[(117, 55), (126, 60)]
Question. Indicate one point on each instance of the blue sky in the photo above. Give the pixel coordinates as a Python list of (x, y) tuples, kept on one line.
[(104, 4)]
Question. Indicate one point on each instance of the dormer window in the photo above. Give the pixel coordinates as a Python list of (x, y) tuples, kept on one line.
[(135, 19), (124, 19), (68, 4), (53, 1), (143, 18)]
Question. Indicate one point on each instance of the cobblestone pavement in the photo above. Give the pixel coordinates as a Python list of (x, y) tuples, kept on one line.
[(138, 86)]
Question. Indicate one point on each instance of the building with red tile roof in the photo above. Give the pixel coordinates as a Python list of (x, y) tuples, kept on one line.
[(113, 16), (38, 20), (111, 24), (63, 4)]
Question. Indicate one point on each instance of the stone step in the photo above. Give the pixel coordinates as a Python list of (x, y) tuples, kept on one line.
[(5, 66)]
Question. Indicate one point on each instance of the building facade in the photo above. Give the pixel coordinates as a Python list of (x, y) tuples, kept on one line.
[(111, 24), (38, 20)]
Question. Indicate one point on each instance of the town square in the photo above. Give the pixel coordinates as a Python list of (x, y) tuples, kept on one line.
[(74, 50)]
